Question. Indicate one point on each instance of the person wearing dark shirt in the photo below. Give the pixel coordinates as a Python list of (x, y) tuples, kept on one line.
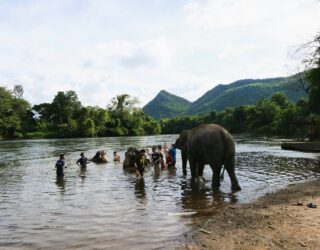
[(154, 156), (83, 161), (60, 165)]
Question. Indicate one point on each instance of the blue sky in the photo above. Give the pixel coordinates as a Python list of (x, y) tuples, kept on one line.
[(105, 48)]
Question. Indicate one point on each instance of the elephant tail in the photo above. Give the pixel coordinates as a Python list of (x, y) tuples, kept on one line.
[(222, 174)]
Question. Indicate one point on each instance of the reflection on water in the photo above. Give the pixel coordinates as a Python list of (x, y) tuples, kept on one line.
[(102, 206), (139, 190), (61, 183)]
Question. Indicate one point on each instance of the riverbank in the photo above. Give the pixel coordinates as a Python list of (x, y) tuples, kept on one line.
[(274, 221)]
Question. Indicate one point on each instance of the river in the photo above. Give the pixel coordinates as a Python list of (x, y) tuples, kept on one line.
[(106, 208)]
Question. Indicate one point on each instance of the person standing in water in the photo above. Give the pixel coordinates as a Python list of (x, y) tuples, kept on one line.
[(116, 157), (161, 158), (172, 152), (140, 163), (60, 165), (83, 161)]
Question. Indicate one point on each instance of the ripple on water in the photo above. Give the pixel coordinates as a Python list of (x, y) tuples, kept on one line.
[(104, 207)]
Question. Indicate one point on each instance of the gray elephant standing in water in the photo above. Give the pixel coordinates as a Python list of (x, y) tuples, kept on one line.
[(208, 144)]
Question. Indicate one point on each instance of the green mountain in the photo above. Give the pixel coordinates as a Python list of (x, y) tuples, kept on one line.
[(166, 105), (242, 92), (245, 92)]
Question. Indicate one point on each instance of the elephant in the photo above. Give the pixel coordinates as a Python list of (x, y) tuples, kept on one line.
[(100, 157), (133, 158), (208, 144)]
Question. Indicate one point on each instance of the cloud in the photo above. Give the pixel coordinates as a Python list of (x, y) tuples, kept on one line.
[(104, 48)]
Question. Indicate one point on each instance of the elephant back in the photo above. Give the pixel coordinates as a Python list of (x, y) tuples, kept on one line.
[(209, 140)]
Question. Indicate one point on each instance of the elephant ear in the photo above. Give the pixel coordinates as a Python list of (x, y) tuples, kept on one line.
[(136, 154)]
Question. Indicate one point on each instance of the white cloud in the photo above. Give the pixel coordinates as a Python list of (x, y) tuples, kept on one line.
[(104, 48)]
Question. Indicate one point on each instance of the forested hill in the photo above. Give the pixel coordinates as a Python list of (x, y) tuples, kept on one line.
[(246, 92), (166, 105), (242, 92)]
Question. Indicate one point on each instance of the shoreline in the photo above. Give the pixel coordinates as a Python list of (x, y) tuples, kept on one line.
[(274, 221)]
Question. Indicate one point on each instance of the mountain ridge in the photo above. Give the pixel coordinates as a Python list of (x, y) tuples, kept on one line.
[(166, 105), (240, 92)]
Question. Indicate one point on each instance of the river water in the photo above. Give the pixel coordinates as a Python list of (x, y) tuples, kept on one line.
[(106, 208)]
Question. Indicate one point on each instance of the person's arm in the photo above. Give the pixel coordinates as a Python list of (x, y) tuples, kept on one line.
[(78, 162)]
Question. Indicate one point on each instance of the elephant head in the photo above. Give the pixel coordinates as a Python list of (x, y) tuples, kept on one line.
[(181, 143), (100, 157), (130, 158)]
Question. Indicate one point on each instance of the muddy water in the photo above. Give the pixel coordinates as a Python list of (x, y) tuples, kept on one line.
[(105, 208)]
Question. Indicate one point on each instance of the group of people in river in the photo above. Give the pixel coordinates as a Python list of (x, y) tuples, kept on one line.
[(160, 158)]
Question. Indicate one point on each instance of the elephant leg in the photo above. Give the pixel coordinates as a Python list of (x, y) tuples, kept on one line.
[(184, 162), (200, 171), (193, 168), (229, 165), (216, 169)]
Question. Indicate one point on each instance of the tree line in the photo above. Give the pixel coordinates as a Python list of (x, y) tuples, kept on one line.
[(65, 116)]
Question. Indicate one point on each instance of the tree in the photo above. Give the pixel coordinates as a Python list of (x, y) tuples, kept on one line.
[(123, 103), (18, 91), (15, 114), (65, 106), (280, 99), (312, 65)]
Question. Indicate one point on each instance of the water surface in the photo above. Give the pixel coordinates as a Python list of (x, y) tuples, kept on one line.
[(104, 207)]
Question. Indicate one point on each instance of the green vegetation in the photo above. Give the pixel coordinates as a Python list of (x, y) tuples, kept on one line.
[(166, 105), (243, 92), (66, 117), (269, 107), (272, 116)]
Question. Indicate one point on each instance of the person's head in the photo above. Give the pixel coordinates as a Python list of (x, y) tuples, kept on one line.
[(172, 145), (82, 154), (159, 147), (115, 153), (154, 149), (142, 151), (61, 156)]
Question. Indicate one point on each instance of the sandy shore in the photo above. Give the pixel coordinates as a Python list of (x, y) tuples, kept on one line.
[(272, 222)]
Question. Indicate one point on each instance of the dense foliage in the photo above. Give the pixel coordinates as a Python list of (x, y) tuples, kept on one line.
[(15, 113), (66, 117), (268, 116), (313, 76)]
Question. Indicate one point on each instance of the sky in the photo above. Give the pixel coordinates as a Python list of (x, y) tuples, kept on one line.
[(104, 48)]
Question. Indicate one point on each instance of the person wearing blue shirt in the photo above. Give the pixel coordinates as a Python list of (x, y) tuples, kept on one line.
[(172, 152)]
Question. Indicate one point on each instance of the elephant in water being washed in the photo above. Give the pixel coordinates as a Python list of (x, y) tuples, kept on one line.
[(208, 144)]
